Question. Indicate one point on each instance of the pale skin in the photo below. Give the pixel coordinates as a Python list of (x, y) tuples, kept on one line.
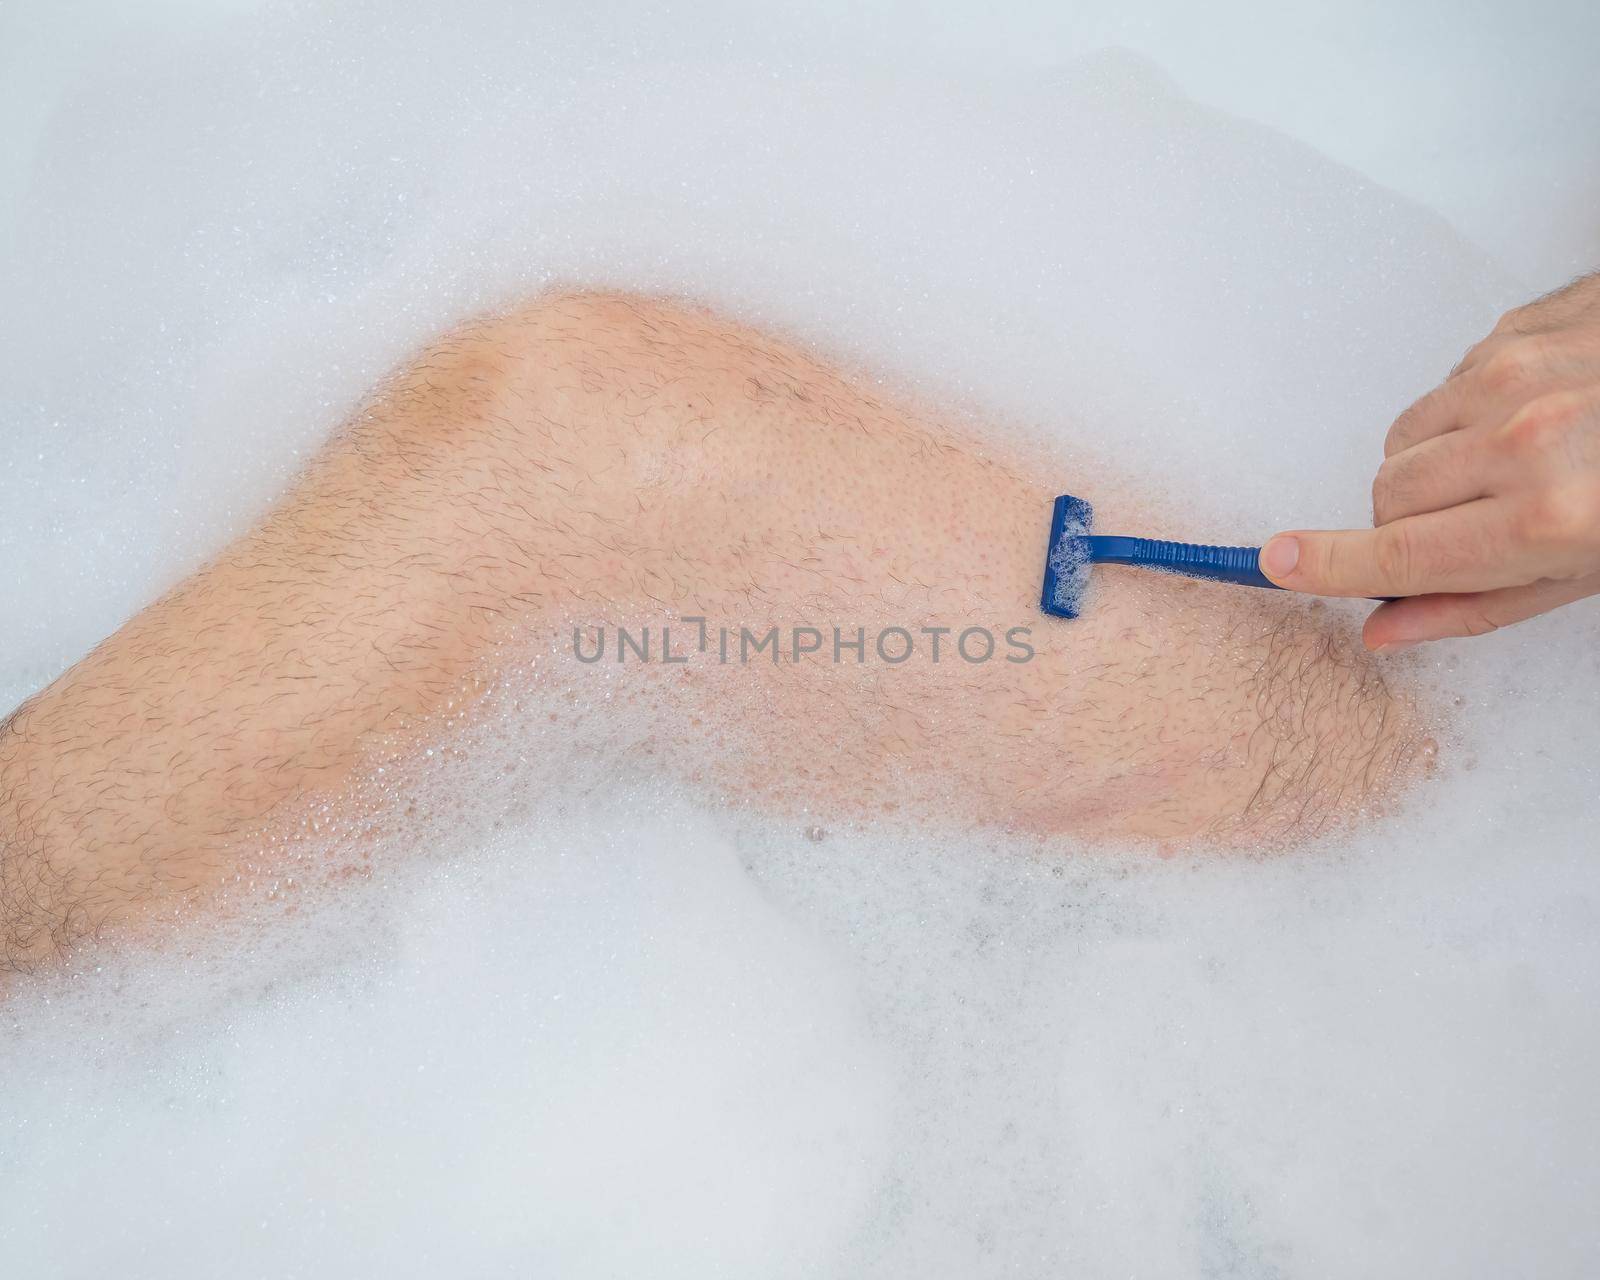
[(612, 460), (1486, 510)]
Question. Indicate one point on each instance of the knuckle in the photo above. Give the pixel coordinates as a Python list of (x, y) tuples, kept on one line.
[(1395, 481), (1409, 427), (1395, 554), (1473, 355), (1511, 321), (1562, 517), (1476, 622), (1541, 425), (1512, 368)]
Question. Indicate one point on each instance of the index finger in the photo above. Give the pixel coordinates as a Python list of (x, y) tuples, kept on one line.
[(1464, 548)]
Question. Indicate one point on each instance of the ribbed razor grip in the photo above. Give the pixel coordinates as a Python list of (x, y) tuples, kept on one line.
[(1192, 559)]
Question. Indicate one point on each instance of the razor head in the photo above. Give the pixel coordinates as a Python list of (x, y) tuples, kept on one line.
[(1066, 562)]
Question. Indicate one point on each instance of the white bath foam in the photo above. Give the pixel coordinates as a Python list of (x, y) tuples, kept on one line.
[(858, 1055), (630, 1036), (1353, 1061), (1084, 251), (590, 1047)]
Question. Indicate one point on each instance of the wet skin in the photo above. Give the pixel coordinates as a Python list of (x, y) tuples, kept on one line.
[(613, 461)]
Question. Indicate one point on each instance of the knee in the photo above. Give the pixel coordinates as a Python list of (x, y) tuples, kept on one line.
[(553, 432), (579, 375), (570, 346)]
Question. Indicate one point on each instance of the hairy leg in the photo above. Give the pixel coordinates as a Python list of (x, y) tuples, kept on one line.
[(601, 461)]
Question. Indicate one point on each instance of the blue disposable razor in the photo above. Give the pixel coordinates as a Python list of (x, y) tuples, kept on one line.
[(1073, 549)]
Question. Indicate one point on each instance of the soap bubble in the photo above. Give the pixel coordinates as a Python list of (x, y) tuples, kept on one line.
[(571, 1020)]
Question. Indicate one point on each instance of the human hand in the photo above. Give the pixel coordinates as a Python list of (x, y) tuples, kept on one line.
[(1486, 510)]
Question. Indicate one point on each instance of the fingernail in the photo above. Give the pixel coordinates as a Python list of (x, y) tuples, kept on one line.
[(1397, 646), (1279, 556)]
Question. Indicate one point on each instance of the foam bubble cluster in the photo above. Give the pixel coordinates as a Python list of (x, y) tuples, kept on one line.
[(569, 1021)]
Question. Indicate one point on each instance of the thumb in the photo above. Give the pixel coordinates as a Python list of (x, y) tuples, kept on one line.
[(1464, 548), (1407, 622)]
